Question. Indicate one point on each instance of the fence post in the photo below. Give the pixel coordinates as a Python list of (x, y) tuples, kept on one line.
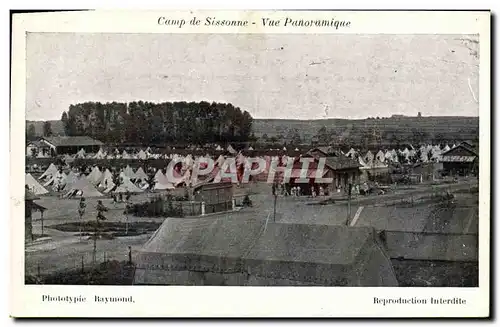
[(83, 266), (233, 203), (203, 208)]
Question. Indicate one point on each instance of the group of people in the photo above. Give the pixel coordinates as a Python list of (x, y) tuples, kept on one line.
[(289, 190)]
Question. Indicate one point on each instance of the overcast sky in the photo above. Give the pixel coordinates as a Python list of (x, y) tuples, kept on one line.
[(270, 76)]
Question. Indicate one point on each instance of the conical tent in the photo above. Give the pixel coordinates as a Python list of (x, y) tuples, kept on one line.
[(106, 180), (34, 186), (83, 188), (380, 156), (100, 154), (351, 153), (57, 180), (158, 174), (95, 176), (230, 149), (129, 172), (51, 171), (162, 183), (250, 149), (127, 187), (362, 162), (218, 148), (369, 157), (140, 175), (125, 155), (142, 155), (71, 179), (81, 153)]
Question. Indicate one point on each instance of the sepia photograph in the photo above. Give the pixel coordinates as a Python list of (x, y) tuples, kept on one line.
[(261, 159)]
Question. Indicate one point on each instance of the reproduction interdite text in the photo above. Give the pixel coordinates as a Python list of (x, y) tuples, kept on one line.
[(415, 300)]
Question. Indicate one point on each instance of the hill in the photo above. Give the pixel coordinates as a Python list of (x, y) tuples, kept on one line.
[(397, 127), (447, 129)]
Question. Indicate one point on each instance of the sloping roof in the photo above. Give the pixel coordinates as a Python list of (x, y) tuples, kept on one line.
[(72, 141), (270, 252), (341, 162), (460, 150)]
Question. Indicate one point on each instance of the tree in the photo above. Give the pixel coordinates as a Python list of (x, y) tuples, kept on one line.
[(47, 129), (30, 132), (64, 120)]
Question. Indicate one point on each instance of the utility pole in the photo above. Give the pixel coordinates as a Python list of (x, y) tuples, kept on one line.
[(349, 191), (81, 211), (275, 198)]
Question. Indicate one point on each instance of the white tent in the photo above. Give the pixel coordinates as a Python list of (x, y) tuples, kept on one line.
[(230, 149), (218, 148), (106, 180), (83, 188), (57, 180), (129, 172), (380, 156), (369, 157), (95, 175), (296, 149), (71, 179), (80, 154), (161, 182), (250, 149), (100, 154), (34, 186), (51, 171), (158, 174), (220, 161), (142, 155), (284, 149), (446, 148), (362, 162), (127, 186), (351, 153), (140, 175), (125, 155)]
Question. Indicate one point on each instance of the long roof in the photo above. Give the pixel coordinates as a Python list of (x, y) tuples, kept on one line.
[(72, 141)]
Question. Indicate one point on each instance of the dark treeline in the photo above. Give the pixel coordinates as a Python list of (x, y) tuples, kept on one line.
[(148, 123)]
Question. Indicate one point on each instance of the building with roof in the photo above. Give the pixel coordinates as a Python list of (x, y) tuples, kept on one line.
[(216, 196), (71, 144), (343, 170), (38, 149), (460, 160), (252, 252)]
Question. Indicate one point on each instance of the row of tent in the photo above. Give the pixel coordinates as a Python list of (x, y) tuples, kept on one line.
[(140, 155), (427, 153)]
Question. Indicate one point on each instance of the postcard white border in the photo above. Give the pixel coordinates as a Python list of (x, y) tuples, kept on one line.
[(179, 301)]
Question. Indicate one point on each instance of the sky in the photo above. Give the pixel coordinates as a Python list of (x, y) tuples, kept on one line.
[(289, 76)]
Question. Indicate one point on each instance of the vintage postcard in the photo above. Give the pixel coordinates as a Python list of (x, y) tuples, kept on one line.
[(250, 164)]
